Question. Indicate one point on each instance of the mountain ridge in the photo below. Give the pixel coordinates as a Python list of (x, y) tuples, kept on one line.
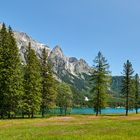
[(68, 69), (65, 68)]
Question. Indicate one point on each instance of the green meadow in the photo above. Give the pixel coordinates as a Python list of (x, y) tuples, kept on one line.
[(75, 127)]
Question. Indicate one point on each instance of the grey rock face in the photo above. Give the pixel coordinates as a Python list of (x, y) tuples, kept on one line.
[(73, 59), (61, 64), (70, 64), (23, 39)]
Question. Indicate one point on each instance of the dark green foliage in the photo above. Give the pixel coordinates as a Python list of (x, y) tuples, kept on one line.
[(64, 97), (3, 47), (137, 92), (48, 84), (100, 83), (32, 84), (127, 85), (11, 77)]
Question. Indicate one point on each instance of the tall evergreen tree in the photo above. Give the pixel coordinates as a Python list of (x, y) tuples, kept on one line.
[(137, 92), (100, 83), (10, 70), (3, 52), (32, 83), (48, 84), (16, 79), (127, 84)]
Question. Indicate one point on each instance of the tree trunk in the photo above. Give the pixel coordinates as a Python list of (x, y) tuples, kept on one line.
[(126, 112), (32, 114), (8, 115), (65, 111), (136, 110), (98, 100), (100, 111), (126, 106), (61, 110), (127, 94), (43, 112), (28, 115), (22, 114), (96, 113)]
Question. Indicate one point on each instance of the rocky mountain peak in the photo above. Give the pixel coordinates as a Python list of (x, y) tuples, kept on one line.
[(73, 59), (63, 66), (57, 51), (23, 41), (82, 61)]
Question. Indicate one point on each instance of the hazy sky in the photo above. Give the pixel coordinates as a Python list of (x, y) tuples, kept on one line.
[(81, 27)]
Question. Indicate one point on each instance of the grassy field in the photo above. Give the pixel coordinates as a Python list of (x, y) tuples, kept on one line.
[(76, 127)]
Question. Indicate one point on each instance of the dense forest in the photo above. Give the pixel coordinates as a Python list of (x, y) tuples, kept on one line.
[(31, 88)]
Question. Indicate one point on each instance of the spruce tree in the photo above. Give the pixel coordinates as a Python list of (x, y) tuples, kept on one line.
[(127, 84), (32, 83), (137, 91), (100, 83), (48, 84), (10, 70), (16, 79), (3, 52)]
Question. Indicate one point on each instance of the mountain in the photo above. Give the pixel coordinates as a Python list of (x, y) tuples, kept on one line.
[(68, 69), (22, 42)]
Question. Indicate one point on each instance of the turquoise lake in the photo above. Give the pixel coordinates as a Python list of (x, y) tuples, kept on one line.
[(91, 111), (104, 111)]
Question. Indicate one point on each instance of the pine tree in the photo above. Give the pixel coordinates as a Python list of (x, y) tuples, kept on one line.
[(11, 76), (32, 84), (100, 83), (3, 48), (48, 84), (64, 97), (16, 79), (127, 84), (137, 90)]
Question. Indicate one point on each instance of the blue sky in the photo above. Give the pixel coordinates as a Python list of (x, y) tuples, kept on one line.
[(81, 27)]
